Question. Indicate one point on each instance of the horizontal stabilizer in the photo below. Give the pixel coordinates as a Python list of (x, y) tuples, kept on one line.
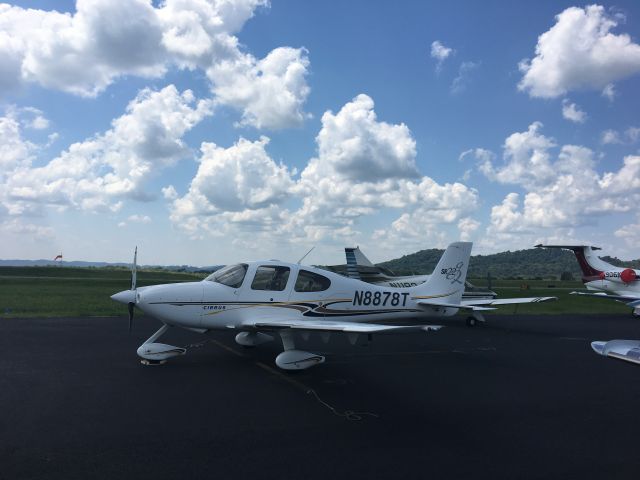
[(335, 326), (627, 350), (507, 301)]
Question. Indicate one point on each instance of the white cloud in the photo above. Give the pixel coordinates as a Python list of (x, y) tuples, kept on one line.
[(579, 52), (364, 166), (527, 160), (237, 185), (17, 226), (270, 92), (572, 112), (15, 152), (560, 193), (440, 53), (610, 137), (97, 173), (84, 52), (467, 226), (461, 82), (630, 136)]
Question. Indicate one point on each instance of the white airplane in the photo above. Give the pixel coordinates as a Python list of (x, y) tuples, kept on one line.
[(258, 299), (602, 277)]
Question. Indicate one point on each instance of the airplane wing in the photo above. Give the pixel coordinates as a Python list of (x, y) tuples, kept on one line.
[(627, 350), (631, 301), (332, 326)]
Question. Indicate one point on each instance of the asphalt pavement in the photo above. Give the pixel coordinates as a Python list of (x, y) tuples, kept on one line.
[(519, 397)]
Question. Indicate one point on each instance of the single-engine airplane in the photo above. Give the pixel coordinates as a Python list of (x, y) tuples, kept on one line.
[(259, 299)]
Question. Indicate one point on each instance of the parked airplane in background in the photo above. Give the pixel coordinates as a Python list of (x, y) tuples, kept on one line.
[(602, 277), (360, 267)]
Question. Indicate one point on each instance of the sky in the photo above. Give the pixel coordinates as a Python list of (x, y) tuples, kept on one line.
[(214, 131)]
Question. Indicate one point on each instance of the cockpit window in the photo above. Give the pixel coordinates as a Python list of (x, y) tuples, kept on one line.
[(231, 275), (311, 282), (270, 277)]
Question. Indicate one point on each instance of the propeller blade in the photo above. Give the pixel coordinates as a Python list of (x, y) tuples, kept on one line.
[(130, 305), (134, 269)]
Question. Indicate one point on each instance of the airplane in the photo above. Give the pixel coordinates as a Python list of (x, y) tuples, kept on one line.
[(360, 267), (602, 277), (259, 299)]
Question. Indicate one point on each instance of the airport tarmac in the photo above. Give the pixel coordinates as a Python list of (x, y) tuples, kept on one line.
[(520, 397)]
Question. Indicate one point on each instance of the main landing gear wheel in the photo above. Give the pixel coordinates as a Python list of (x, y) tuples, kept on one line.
[(471, 322)]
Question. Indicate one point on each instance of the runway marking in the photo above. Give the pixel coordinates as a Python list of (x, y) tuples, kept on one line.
[(350, 415)]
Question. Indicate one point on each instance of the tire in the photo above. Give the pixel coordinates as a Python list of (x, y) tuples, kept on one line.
[(471, 322)]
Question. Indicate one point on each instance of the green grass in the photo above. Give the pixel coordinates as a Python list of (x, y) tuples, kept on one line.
[(566, 303), (55, 291)]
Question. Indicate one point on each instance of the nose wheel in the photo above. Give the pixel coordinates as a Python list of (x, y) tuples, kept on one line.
[(157, 353)]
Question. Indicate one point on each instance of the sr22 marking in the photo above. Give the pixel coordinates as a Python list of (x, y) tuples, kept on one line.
[(366, 298)]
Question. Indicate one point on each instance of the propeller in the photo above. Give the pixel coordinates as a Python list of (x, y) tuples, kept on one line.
[(134, 278)]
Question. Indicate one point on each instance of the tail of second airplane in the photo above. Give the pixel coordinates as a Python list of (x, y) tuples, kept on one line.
[(446, 284), (590, 264)]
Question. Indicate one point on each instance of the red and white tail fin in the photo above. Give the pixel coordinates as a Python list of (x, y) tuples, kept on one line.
[(591, 265)]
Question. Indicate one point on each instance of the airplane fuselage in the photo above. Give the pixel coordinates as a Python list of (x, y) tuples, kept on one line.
[(211, 305)]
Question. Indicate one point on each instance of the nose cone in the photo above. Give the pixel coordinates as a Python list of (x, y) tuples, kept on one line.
[(126, 296)]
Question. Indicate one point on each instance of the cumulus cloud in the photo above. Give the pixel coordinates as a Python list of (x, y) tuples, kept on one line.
[(572, 112), (580, 52), (235, 179), (98, 173), (562, 191), (84, 52), (270, 92), (440, 53), (364, 166)]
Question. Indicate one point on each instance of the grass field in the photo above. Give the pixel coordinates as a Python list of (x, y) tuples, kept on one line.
[(56, 291)]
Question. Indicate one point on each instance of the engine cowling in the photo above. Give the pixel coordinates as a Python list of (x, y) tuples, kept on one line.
[(628, 275)]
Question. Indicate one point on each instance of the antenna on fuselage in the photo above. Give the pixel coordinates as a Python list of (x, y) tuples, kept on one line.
[(305, 255)]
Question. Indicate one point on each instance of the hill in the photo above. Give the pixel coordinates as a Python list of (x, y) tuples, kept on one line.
[(531, 263)]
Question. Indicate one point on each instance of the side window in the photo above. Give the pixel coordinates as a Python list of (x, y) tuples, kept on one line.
[(311, 282), (270, 278)]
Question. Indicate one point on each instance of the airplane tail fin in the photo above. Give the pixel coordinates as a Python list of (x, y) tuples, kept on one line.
[(446, 283), (357, 257), (589, 262)]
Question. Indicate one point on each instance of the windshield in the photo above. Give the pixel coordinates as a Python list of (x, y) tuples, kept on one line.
[(231, 275)]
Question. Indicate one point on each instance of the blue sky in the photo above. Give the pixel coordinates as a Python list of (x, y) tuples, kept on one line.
[(208, 132)]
